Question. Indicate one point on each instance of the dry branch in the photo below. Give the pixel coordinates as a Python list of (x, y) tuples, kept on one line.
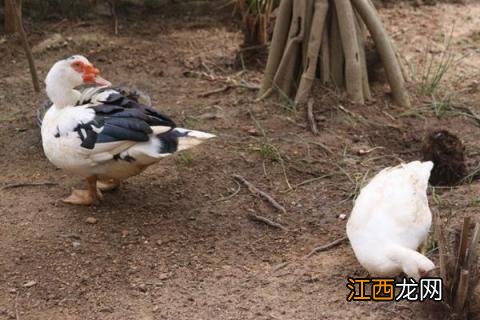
[(255, 217), (28, 184), (324, 247), (262, 194), (311, 117)]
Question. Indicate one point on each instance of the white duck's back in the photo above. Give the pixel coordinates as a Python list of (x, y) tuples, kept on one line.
[(391, 211)]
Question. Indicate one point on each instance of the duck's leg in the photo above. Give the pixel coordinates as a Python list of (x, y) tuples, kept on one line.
[(108, 185), (85, 197)]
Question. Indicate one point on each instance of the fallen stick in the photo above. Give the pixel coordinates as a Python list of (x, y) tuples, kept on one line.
[(325, 247), (233, 194), (322, 146), (215, 91), (311, 117), (254, 190), (32, 184), (255, 217)]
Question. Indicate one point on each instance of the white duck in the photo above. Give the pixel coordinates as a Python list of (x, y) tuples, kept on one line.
[(106, 137), (390, 220)]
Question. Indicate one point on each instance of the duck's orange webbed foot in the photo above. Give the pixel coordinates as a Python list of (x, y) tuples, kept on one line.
[(108, 185), (85, 197)]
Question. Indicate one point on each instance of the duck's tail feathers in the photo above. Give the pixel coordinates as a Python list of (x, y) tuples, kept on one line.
[(190, 138)]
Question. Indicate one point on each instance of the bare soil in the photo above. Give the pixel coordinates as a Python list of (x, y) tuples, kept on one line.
[(176, 242)]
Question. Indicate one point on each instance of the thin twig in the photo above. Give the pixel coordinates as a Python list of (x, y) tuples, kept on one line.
[(254, 190), (322, 146), (215, 91), (233, 194), (311, 117), (325, 247), (31, 184), (255, 217), (312, 180)]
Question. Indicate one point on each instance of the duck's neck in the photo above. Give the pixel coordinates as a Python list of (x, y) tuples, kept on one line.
[(60, 92)]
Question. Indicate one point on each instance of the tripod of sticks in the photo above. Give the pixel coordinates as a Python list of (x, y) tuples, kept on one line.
[(327, 38)]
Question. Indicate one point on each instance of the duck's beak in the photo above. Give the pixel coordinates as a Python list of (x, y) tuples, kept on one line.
[(91, 75), (102, 82)]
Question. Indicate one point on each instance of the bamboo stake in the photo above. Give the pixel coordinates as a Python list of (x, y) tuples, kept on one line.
[(26, 46), (285, 73), (309, 16), (442, 252), (278, 44), (9, 17), (359, 25), (462, 291), (384, 47), (348, 35), (325, 56), (337, 58), (314, 43)]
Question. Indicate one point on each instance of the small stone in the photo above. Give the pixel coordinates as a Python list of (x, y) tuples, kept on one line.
[(253, 132), (76, 244), (159, 242), (125, 233), (29, 284), (91, 220), (342, 216), (163, 276), (12, 290)]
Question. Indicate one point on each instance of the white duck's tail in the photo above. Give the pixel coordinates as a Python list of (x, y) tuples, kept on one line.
[(189, 138), (421, 170)]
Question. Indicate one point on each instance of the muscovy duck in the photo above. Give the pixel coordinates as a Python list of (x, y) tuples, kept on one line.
[(390, 220), (105, 136)]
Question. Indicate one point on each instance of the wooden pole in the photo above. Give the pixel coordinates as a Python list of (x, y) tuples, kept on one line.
[(9, 15), (384, 47), (26, 46)]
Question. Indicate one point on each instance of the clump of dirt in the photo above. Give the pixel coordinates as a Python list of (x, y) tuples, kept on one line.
[(446, 151)]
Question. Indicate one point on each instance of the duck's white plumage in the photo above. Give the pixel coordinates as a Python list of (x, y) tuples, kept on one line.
[(102, 133), (390, 219)]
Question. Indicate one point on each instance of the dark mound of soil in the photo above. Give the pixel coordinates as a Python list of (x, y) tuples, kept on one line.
[(446, 151)]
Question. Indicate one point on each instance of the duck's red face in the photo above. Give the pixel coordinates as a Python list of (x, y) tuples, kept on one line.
[(90, 74)]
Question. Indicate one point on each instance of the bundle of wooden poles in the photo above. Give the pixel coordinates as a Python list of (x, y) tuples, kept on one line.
[(326, 39), (459, 266)]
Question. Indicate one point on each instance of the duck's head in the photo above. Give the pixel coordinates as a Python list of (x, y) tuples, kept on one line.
[(69, 73)]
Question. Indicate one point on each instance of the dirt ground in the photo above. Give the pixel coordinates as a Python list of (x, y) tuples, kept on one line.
[(176, 242)]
